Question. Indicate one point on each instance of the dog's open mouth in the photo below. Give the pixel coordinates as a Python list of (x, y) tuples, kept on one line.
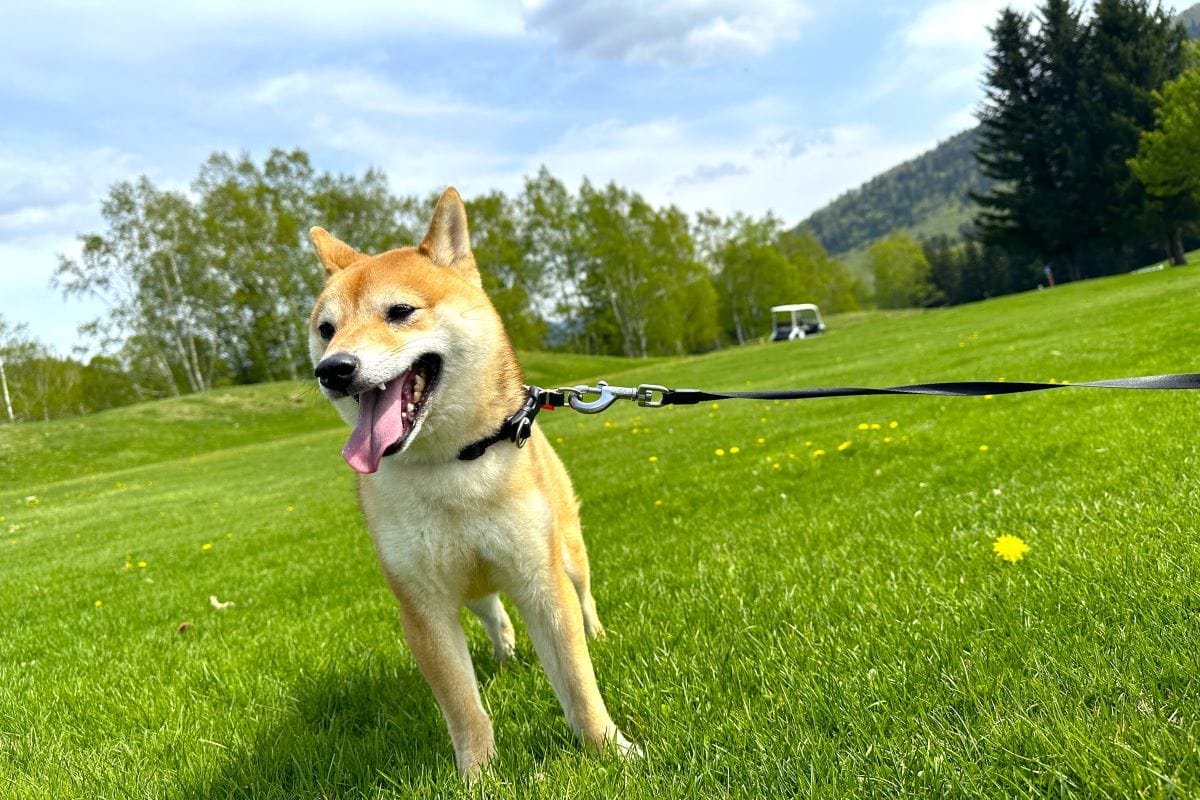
[(389, 414)]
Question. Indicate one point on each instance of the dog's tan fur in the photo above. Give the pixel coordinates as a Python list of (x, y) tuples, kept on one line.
[(447, 532)]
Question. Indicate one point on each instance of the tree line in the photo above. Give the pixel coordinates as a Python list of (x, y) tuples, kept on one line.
[(213, 286)]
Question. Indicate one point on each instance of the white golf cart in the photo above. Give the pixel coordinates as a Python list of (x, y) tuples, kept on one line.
[(796, 321)]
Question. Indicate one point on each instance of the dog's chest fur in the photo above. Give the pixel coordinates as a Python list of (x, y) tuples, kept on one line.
[(455, 530)]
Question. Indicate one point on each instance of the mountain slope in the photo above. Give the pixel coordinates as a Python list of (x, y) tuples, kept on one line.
[(925, 196)]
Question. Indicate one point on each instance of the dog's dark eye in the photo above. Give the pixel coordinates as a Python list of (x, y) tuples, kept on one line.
[(326, 330), (399, 313)]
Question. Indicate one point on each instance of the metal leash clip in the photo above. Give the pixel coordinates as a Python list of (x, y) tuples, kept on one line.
[(643, 395)]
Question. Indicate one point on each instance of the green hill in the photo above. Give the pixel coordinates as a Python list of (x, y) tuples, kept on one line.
[(925, 196), (802, 598)]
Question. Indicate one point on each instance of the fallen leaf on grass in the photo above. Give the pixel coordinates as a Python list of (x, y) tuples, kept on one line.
[(217, 604)]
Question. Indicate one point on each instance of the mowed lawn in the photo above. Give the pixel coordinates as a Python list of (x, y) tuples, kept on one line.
[(802, 598)]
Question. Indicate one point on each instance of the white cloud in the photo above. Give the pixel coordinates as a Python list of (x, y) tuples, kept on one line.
[(138, 31), (418, 162), (942, 51), (44, 203), (354, 90), (55, 195), (757, 171), (671, 33)]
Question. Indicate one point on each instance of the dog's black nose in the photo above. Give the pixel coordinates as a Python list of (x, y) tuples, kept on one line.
[(337, 371)]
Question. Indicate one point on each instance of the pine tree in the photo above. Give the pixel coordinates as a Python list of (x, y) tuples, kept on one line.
[(1131, 50), (1060, 120), (1009, 139)]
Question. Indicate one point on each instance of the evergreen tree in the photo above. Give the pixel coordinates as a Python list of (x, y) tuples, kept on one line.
[(1132, 49), (1168, 158), (1061, 118)]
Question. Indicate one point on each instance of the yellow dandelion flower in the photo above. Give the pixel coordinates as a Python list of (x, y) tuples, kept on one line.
[(141, 565), (290, 509), (762, 419), (808, 443), (760, 440), (818, 453), (887, 440), (559, 440), (844, 446), (720, 451), (777, 465), (715, 406), (989, 396), (893, 424), (99, 603), (735, 450), (1010, 548), (875, 426), (206, 546), (863, 426), (983, 448), (658, 502), (653, 459)]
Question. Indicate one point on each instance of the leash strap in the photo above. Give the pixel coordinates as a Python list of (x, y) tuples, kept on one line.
[(517, 427), (684, 397)]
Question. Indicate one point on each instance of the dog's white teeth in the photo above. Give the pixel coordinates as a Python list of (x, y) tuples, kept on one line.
[(410, 408), (418, 383), (382, 387), (417, 395)]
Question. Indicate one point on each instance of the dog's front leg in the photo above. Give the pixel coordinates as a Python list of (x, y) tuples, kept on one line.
[(550, 608), (439, 647)]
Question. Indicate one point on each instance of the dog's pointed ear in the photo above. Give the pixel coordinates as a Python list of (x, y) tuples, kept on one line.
[(448, 242), (335, 254)]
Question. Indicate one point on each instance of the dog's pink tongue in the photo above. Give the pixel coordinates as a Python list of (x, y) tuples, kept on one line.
[(380, 425)]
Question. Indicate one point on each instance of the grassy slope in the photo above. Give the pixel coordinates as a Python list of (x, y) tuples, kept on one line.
[(834, 625)]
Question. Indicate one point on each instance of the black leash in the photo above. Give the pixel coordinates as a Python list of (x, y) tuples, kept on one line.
[(518, 427), (653, 396), (684, 397)]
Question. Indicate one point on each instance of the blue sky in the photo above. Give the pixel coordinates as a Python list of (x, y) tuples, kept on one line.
[(731, 105)]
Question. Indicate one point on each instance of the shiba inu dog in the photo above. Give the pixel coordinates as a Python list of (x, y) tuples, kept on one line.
[(414, 356)]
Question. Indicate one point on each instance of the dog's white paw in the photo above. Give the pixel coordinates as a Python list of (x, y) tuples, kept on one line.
[(505, 650), (626, 749)]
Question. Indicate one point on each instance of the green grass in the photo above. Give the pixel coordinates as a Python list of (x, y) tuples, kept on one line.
[(834, 626)]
